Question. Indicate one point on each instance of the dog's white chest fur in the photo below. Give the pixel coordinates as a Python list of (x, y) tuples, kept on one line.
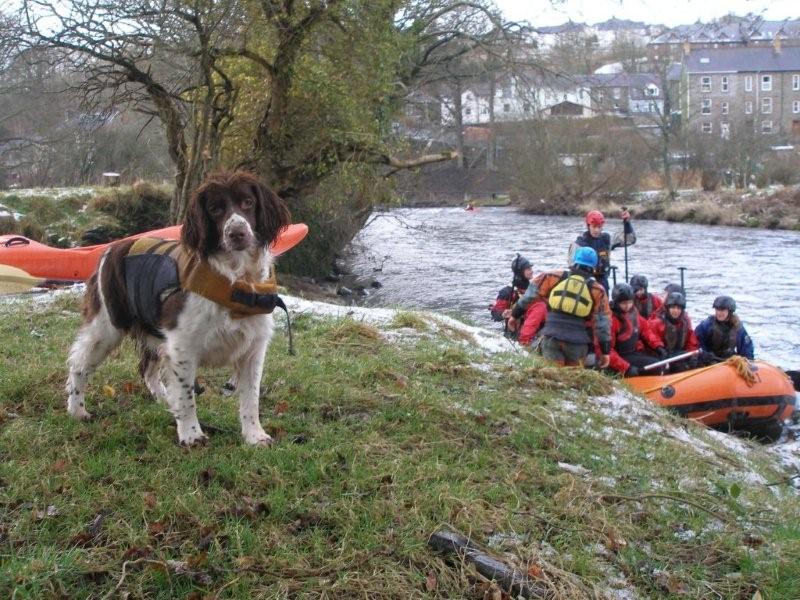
[(213, 336)]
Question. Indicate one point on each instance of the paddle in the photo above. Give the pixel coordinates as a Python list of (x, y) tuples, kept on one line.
[(683, 287), (17, 281), (626, 246), (672, 359)]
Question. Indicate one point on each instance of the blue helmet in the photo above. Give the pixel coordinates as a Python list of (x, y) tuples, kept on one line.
[(586, 257)]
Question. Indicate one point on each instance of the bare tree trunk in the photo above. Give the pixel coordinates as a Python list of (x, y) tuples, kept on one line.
[(490, 143), (458, 117)]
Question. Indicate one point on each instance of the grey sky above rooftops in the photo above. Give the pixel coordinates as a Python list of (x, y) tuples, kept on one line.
[(667, 12)]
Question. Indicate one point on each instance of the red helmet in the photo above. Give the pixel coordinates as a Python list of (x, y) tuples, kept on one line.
[(595, 217)]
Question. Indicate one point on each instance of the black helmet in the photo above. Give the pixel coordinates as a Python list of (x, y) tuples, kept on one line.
[(519, 264), (672, 287), (622, 292), (675, 299), (725, 303), (639, 282)]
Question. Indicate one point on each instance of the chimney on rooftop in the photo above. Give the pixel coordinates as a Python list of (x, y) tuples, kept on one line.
[(776, 43)]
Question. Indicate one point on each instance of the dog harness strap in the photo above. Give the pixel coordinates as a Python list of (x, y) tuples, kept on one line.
[(242, 297)]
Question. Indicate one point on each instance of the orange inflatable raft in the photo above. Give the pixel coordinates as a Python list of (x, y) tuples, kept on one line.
[(78, 264), (736, 394)]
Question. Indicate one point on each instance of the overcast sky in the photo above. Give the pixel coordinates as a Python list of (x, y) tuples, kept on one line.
[(667, 12)]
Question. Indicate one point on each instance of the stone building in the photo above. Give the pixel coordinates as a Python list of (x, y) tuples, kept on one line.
[(759, 87)]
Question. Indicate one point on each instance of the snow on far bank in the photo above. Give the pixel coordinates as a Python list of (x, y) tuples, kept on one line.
[(57, 193)]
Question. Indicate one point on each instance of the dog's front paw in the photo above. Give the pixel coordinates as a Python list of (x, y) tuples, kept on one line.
[(258, 438), (80, 413), (194, 441), (192, 436)]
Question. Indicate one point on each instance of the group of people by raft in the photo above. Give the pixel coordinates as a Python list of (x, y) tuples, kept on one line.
[(566, 314)]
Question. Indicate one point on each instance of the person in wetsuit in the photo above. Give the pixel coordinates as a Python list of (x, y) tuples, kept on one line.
[(602, 243), (722, 334)]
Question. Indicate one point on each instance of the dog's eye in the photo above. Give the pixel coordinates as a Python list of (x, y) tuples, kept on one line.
[(215, 209), (247, 203)]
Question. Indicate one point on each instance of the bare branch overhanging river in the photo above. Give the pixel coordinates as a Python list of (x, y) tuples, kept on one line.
[(451, 260)]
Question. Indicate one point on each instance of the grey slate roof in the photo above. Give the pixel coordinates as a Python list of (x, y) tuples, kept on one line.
[(731, 31), (743, 60)]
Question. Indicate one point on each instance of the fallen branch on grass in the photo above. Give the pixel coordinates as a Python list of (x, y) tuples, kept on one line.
[(510, 579)]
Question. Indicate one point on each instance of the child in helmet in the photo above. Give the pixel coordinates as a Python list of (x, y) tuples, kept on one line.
[(522, 273), (631, 335), (674, 328), (601, 242), (535, 313), (646, 303), (574, 299), (722, 334)]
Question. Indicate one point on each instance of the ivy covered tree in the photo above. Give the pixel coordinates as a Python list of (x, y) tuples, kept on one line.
[(302, 92)]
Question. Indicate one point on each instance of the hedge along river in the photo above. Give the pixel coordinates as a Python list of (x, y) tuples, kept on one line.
[(452, 260)]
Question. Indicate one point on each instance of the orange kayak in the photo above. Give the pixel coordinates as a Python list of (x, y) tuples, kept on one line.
[(78, 264), (721, 396)]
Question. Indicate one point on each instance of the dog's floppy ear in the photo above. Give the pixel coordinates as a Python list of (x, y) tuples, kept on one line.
[(196, 232), (272, 214)]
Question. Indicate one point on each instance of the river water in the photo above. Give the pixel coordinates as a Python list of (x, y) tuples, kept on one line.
[(452, 260)]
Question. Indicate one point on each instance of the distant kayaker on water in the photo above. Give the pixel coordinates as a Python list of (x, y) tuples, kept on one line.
[(723, 334), (602, 243), (575, 300)]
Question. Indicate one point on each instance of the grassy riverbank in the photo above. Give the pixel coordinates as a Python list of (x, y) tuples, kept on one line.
[(389, 429)]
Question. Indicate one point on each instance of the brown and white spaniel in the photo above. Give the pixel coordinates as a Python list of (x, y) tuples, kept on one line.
[(230, 222)]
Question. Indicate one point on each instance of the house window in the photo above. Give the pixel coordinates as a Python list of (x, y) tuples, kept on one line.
[(484, 110), (766, 106), (796, 82), (796, 106), (766, 126), (725, 130), (468, 111), (526, 107), (651, 90), (706, 110), (707, 128), (652, 107), (617, 93), (724, 85), (748, 108), (705, 84), (724, 107), (748, 83), (766, 83), (506, 107)]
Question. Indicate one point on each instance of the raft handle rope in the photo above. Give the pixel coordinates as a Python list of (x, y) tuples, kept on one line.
[(740, 365), (16, 241)]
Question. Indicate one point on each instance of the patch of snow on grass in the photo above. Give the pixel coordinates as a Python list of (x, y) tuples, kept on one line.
[(57, 193), (788, 455), (483, 339)]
